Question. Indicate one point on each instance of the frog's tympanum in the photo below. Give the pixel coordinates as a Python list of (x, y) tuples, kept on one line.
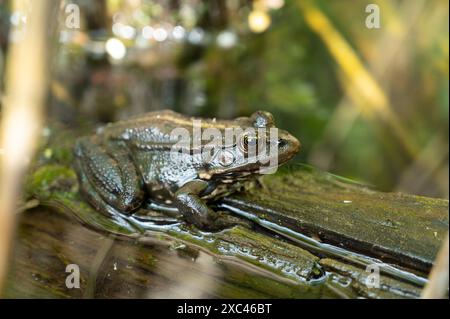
[(131, 164)]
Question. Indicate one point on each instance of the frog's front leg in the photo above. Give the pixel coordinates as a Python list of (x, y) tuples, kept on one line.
[(193, 208), (107, 176)]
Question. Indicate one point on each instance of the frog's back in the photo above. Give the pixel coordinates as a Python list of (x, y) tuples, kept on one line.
[(163, 120), (157, 126)]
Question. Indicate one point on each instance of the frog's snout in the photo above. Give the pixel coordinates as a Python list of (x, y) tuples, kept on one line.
[(288, 146)]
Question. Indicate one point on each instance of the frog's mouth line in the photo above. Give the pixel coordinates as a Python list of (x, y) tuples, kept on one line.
[(245, 170), (243, 174), (238, 175)]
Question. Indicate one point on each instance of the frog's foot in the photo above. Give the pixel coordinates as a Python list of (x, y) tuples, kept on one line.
[(107, 177), (196, 211)]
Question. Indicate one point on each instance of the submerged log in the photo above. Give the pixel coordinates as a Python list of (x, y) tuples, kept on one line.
[(301, 233)]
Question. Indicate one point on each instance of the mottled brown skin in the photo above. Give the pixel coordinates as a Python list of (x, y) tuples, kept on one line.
[(128, 164)]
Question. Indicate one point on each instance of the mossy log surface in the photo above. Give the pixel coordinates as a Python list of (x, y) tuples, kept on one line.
[(394, 227), (302, 233)]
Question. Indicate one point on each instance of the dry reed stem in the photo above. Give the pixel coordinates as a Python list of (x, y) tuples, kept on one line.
[(26, 88), (437, 285)]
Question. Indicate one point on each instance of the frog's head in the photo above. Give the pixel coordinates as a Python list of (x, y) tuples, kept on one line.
[(257, 147)]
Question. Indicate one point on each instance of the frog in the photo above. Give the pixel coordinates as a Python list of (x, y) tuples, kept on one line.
[(130, 164)]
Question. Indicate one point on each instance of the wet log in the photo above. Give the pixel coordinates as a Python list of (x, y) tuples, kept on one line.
[(301, 233), (397, 228)]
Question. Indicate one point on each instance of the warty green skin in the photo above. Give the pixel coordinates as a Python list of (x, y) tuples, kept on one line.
[(128, 164)]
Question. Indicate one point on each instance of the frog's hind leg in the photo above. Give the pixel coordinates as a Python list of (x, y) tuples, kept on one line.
[(93, 197), (107, 177)]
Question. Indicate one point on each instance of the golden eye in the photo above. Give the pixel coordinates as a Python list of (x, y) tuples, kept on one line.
[(252, 141), (245, 140), (248, 141)]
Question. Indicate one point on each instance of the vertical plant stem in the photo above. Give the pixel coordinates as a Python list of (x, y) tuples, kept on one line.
[(26, 88), (438, 282), (363, 88)]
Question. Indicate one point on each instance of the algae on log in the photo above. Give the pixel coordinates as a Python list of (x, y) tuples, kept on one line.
[(397, 228)]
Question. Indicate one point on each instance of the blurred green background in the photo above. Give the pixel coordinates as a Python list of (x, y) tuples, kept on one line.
[(369, 104)]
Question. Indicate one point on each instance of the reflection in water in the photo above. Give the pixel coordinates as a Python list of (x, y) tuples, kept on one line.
[(47, 242), (188, 277)]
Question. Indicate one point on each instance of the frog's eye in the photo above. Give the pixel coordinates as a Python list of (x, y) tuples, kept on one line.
[(248, 141)]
